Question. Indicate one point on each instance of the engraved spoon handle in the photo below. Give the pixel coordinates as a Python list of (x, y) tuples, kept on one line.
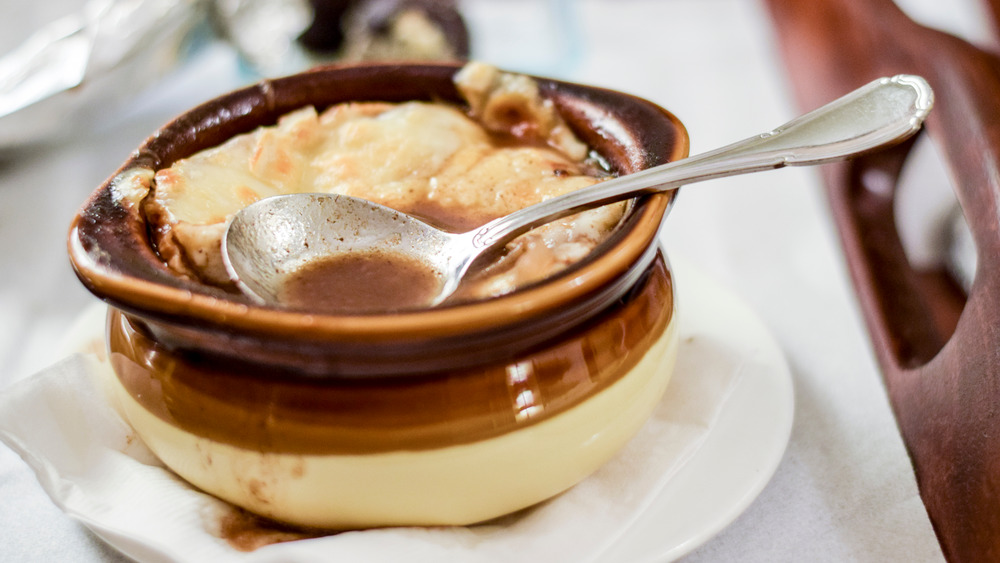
[(884, 111)]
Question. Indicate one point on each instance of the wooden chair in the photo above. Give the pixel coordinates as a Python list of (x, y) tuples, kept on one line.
[(938, 347)]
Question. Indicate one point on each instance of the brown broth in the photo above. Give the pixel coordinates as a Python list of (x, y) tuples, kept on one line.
[(247, 532), (361, 283)]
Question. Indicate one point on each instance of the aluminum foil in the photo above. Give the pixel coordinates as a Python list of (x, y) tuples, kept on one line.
[(64, 73), (79, 69)]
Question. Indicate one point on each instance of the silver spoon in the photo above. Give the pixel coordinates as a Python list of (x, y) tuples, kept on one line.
[(272, 238)]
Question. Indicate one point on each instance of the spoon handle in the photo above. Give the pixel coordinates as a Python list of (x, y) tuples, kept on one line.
[(884, 111)]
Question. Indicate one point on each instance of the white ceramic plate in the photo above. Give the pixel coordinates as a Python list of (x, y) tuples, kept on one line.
[(743, 447), (744, 443)]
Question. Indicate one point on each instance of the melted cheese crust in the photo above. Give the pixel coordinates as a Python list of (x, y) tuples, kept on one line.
[(429, 159)]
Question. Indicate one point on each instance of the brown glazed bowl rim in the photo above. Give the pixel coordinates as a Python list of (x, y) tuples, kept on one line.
[(110, 250)]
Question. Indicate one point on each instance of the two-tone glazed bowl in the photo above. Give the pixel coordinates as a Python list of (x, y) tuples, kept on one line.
[(451, 415)]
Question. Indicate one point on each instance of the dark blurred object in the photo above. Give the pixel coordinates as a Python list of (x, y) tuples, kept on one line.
[(284, 36), (939, 348), (325, 34), (336, 21), (406, 29)]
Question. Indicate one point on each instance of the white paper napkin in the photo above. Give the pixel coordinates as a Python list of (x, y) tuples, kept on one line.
[(93, 466)]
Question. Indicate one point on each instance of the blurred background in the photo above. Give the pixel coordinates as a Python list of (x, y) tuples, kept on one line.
[(84, 82)]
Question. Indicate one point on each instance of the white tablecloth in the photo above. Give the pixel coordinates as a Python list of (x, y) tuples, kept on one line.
[(844, 490)]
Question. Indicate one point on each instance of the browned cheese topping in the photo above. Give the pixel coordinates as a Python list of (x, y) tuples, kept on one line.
[(454, 168)]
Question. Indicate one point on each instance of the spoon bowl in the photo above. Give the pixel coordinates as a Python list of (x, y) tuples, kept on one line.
[(270, 241)]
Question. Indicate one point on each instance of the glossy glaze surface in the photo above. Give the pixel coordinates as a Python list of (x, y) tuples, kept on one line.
[(292, 415), (454, 485)]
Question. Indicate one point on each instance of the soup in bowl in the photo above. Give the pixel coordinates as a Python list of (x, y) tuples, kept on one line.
[(532, 377)]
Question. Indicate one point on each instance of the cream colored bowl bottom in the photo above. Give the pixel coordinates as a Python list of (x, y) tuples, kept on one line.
[(455, 485)]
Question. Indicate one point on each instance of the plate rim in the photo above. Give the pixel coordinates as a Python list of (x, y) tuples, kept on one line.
[(765, 387)]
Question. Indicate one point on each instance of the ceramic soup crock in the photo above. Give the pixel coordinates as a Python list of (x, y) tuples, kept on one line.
[(452, 415)]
